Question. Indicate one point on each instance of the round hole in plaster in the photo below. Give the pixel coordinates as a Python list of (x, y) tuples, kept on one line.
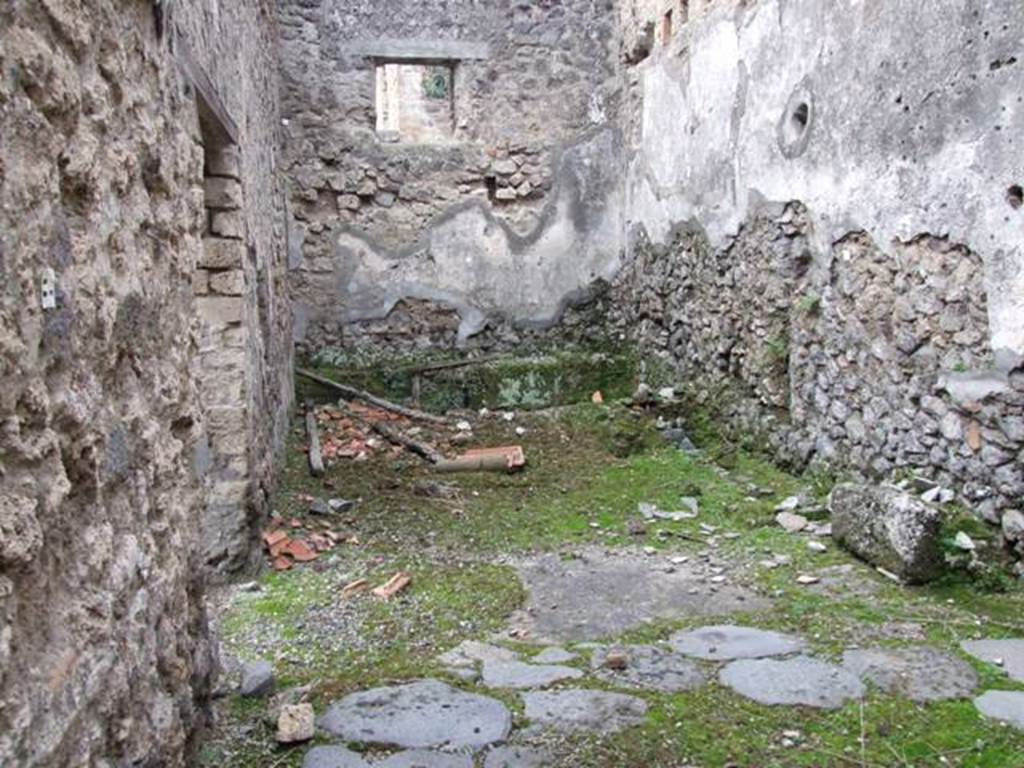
[(799, 117), (797, 121), (1015, 196)]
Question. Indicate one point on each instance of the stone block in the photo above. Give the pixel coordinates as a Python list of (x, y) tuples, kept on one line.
[(228, 224), (200, 282), (348, 202), (230, 282), (888, 527), (222, 193), (224, 161), (220, 310), (219, 253)]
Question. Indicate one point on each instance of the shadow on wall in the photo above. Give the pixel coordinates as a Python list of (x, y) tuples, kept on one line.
[(475, 263)]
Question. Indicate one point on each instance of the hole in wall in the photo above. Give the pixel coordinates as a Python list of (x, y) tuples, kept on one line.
[(799, 117), (1015, 196), (797, 121)]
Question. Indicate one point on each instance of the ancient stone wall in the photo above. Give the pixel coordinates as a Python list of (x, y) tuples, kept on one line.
[(504, 218), (105, 445), (824, 216)]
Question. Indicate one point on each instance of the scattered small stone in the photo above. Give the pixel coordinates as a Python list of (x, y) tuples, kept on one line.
[(296, 723), (798, 681), (679, 560), (789, 504), (938, 495), (691, 503), (1013, 525), (319, 507), (615, 659), (257, 679), (576, 709), (816, 546), (805, 579), (964, 542), (790, 522), (465, 426), (340, 505)]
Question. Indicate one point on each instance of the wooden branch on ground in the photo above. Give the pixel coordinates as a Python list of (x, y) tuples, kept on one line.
[(316, 459), (351, 393), (397, 437)]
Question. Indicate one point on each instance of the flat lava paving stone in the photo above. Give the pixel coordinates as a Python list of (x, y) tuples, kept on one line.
[(518, 674), (801, 680), (920, 673), (517, 757), (426, 758), (427, 713), (622, 592), (1010, 652), (651, 668), (727, 643), (578, 709), (469, 653), (333, 757), (1007, 706), (553, 655)]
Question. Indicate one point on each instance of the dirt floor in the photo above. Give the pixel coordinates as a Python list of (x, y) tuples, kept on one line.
[(611, 538)]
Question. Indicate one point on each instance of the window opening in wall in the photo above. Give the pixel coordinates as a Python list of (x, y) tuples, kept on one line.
[(415, 102), (666, 28)]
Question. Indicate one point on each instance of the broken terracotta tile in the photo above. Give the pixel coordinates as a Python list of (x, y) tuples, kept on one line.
[(270, 538), (355, 587), (281, 563), (393, 586), (301, 551)]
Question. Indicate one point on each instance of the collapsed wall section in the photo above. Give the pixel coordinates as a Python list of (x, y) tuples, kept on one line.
[(824, 228), (456, 163), (108, 452)]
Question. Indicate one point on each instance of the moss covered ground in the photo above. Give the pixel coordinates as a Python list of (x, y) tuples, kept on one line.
[(589, 467)]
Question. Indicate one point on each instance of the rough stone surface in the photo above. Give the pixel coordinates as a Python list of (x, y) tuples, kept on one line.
[(622, 593), (295, 723), (888, 527), (583, 710), (517, 674), (427, 713), (425, 758), (469, 653), (1005, 706), (257, 679), (727, 642), (106, 438), (651, 668), (554, 655), (919, 673), (333, 757), (517, 757), (797, 681), (1008, 654)]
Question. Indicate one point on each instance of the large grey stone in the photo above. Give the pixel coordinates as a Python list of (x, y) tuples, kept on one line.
[(517, 674), (333, 756), (553, 655), (1007, 706), (622, 592), (517, 757), (1009, 654), (650, 667), (920, 673), (727, 642), (427, 713), (426, 758), (469, 653), (801, 680), (257, 678), (577, 709), (888, 527)]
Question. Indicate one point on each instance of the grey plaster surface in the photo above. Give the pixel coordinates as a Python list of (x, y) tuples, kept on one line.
[(798, 681), (427, 713), (727, 642), (920, 673), (578, 709)]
